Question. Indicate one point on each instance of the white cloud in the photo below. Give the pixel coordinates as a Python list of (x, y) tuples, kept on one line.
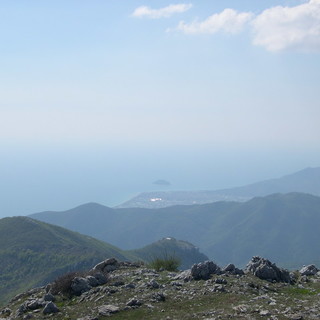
[(229, 21), (289, 28), (165, 12)]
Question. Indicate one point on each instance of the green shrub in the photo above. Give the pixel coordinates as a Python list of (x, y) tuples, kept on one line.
[(169, 263), (63, 283)]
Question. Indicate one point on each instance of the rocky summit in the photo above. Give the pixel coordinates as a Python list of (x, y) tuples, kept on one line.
[(124, 290)]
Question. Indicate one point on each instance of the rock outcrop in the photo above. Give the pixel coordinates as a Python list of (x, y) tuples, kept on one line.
[(309, 270), (107, 265), (203, 270), (204, 292), (266, 270)]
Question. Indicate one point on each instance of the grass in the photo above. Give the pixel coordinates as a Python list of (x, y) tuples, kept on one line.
[(168, 263), (297, 292)]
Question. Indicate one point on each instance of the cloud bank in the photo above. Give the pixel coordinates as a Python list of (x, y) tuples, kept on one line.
[(276, 29), (229, 21), (289, 28), (166, 12)]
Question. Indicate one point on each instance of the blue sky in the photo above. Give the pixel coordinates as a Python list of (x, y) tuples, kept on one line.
[(81, 77)]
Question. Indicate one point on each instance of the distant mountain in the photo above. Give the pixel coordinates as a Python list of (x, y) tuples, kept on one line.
[(281, 227), (33, 253), (305, 181), (186, 252)]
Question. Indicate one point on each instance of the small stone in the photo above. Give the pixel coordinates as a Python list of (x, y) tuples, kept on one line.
[(6, 312), (264, 313), (48, 288), (118, 283), (49, 297), (154, 284), (221, 281), (241, 308), (219, 288), (34, 304), (159, 296), (134, 302), (296, 317), (108, 309)]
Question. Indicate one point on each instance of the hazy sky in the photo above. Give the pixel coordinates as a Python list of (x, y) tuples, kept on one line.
[(80, 76)]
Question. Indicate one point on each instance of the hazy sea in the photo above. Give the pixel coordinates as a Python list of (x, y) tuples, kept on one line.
[(40, 179)]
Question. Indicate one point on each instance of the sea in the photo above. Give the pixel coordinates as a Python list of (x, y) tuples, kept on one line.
[(56, 178)]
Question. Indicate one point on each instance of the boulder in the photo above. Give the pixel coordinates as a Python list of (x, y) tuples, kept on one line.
[(183, 275), (34, 304), (93, 282), (266, 270), (80, 285), (49, 297), (231, 269), (101, 278), (50, 308), (107, 265), (309, 270), (6, 312), (108, 309), (153, 284), (203, 270)]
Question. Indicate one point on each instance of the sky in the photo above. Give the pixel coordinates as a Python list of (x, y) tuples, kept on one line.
[(100, 98)]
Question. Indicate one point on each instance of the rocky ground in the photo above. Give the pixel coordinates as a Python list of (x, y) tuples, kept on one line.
[(132, 291)]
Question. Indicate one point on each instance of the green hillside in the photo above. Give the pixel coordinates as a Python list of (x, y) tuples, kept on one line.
[(33, 253), (186, 252), (281, 227)]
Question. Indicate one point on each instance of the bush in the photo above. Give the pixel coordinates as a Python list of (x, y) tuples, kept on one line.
[(169, 263), (63, 283)]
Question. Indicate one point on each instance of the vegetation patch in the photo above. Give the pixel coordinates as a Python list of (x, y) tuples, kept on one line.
[(168, 263), (295, 291)]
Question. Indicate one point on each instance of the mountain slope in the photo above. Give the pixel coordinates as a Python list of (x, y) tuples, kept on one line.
[(281, 227), (33, 253), (305, 181)]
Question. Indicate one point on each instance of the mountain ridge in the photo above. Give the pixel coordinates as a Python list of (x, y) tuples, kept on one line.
[(263, 226)]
